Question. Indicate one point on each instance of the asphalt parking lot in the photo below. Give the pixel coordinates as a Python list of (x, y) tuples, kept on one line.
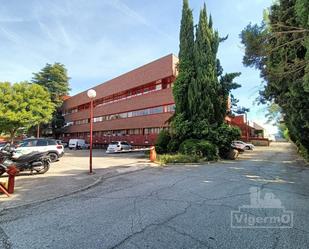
[(181, 206), (80, 158), (70, 174)]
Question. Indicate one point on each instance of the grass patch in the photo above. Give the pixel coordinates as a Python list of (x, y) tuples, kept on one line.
[(177, 158)]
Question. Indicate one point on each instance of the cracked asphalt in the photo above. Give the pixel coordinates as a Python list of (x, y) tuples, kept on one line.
[(181, 206)]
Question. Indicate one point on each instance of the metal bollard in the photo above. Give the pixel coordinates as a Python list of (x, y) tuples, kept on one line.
[(153, 154)]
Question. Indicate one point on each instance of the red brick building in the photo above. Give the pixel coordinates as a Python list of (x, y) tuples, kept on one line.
[(248, 131), (133, 107)]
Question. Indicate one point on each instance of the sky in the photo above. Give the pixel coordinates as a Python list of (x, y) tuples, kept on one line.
[(98, 40)]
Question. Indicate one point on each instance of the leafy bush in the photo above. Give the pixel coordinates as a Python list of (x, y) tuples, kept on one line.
[(173, 145), (189, 147), (208, 150), (182, 128), (177, 158), (201, 148), (162, 141), (223, 137)]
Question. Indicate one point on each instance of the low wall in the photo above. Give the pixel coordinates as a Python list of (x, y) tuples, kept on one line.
[(260, 141)]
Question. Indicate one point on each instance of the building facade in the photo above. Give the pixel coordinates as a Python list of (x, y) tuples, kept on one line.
[(133, 107), (250, 131)]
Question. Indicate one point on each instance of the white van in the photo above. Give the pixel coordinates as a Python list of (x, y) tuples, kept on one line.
[(77, 144)]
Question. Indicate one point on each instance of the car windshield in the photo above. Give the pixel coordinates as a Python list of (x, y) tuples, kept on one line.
[(28, 143)]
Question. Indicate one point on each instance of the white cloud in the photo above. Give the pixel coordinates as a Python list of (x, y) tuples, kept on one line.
[(9, 35), (125, 9)]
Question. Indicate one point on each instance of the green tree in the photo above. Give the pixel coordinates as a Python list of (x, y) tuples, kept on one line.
[(55, 79), (273, 114), (204, 85), (201, 90), (209, 89), (226, 85), (279, 49), (22, 106), (186, 70)]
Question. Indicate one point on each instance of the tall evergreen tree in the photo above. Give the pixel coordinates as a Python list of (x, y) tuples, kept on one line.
[(203, 90), (56, 80), (200, 91), (186, 70), (279, 49)]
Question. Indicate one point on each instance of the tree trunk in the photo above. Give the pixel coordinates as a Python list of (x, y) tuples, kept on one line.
[(38, 131), (12, 135)]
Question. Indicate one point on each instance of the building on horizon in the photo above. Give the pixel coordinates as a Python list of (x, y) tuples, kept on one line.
[(133, 107)]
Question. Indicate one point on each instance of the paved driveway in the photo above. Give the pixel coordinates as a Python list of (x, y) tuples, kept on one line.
[(176, 207), (70, 174)]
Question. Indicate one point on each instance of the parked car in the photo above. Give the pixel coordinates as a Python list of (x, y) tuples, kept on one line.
[(243, 145), (2, 144), (78, 144), (65, 144), (53, 149), (118, 146)]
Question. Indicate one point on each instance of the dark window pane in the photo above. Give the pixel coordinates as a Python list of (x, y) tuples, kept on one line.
[(52, 142), (41, 143)]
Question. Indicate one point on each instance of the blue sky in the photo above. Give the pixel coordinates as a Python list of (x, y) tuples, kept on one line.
[(100, 39)]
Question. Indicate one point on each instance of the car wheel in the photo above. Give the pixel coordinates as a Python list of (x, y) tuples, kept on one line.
[(247, 147), (53, 157)]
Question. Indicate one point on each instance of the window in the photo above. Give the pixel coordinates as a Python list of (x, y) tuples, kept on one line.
[(170, 108), (158, 87), (83, 121), (98, 119), (147, 88), (156, 110), (51, 142), (28, 143), (123, 115), (134, 132), (143, 112), (152, 130)]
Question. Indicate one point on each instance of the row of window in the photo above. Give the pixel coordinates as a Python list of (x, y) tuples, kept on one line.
[(156, 86), (143, 112), (145, 131)]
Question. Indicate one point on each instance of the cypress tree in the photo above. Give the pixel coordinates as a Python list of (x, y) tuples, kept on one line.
[(203, 90), (186, 70), (201, 99), (185, 66)]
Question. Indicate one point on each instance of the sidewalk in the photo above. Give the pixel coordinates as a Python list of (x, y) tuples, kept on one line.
[(70, 175)]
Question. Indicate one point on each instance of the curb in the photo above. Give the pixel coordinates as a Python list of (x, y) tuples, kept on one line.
[(89, 186)]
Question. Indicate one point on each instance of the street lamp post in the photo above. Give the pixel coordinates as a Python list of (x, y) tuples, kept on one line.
[(91, 94), (247, 127)]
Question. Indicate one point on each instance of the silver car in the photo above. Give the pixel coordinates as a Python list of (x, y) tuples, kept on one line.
[(118, 146), (243, 145)]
